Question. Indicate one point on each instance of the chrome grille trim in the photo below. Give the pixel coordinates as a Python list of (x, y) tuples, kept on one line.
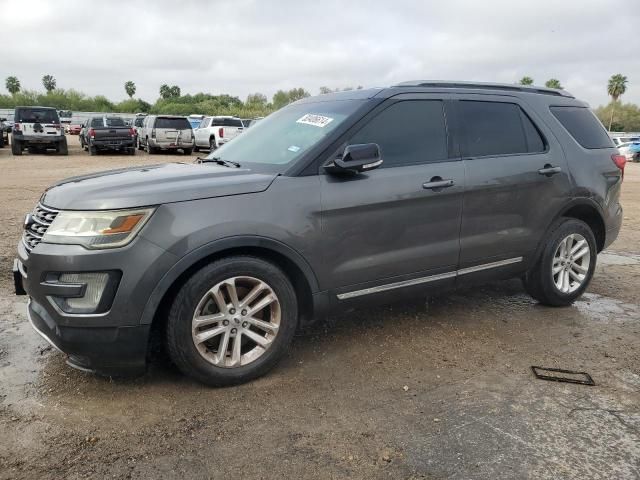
[(42, 218)]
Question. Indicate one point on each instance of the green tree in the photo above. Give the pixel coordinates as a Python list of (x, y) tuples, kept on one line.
[(174, 91), (49, 83), (256, 100), (621, 117), (165, 91), (553, 83), (130, 88), (13, 84), (325, 90), (280, 99), (526, 81), (615, 88), (296, 94)]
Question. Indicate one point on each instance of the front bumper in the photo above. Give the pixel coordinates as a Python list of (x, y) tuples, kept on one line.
[(110, 343)]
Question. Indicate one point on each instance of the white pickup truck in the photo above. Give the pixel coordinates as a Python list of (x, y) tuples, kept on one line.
[(215, 131)]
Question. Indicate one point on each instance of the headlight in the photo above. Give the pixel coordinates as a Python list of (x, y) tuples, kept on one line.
[(97, 229)]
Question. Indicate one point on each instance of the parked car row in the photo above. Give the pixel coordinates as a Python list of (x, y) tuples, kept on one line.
[(40, 128), (629, 146)]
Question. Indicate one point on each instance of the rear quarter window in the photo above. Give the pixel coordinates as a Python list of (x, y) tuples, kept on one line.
[(583, 126), (226, 122)]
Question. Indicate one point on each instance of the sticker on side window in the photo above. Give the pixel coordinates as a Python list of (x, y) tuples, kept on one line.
[(315, 120)]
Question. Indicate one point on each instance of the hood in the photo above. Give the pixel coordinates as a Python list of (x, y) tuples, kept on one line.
[(153, 185)]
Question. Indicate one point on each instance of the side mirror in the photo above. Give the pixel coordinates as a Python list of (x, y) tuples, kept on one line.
[(356, 159)]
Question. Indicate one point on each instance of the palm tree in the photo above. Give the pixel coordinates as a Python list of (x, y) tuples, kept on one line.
[(554, 83), (526, 81), (130, 88), (615, 88), (165, 91), (13, 85), (49, 83)]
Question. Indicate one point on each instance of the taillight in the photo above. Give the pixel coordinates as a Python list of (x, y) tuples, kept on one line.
[(221, 132), (153, 133), (620, 161), (92, 132), (132, 132)]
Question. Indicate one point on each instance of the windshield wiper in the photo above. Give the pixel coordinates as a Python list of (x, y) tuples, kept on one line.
[(219, 161)]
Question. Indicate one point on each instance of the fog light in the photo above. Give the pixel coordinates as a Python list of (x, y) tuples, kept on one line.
[(95, 282)]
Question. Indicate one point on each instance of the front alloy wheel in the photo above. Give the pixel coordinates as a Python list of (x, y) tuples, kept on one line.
[(236, 322), (232, 320)]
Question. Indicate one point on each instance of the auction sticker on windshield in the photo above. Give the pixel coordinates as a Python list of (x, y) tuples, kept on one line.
[(315, 120)]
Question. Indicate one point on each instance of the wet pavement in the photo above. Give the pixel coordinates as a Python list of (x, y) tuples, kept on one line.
[(441, 388)]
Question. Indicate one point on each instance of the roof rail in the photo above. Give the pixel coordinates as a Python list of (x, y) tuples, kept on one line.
[(485, 86)]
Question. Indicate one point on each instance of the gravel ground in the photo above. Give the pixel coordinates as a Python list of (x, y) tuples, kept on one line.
[(436, 389)]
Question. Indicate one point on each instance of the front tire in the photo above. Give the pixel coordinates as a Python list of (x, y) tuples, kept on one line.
[(566, 264), (232, 321)]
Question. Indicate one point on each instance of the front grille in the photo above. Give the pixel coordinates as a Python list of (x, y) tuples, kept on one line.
[(42, 217)]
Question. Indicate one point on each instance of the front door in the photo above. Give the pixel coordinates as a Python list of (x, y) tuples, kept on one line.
[(396, 226)]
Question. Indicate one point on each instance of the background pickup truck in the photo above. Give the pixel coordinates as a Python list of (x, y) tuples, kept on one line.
[(107, 133), (214, 131)]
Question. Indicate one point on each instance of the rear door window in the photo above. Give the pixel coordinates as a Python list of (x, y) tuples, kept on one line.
[(497, 128), (408, 132), (583, 126), (173, 123)]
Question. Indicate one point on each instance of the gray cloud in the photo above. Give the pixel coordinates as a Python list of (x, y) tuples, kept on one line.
[(244, 46)]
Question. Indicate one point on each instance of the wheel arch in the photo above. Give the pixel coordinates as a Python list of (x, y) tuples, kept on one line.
[(290, 261), (584, 209)]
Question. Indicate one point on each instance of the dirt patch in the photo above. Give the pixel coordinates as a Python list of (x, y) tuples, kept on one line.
[(436, 389)]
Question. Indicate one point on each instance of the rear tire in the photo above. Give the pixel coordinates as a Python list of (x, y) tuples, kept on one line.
[(566, 264), (187, 151), (203, 359), (1, 140), (212, 144), (196, 148), (150, 150), (93, 151), (131, 151), (16, 146)]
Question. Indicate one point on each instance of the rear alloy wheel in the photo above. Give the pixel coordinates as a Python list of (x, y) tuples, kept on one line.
[(232, 321), (565, 266), (212, 144)]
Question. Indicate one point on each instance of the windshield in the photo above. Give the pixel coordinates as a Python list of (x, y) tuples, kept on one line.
[(284, 136), (36, 115)]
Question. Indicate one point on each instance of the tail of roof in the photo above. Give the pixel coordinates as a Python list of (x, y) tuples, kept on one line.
[(485, 86)]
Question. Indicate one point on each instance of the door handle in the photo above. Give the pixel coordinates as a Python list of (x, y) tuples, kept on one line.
[(548, 170), (437, 184)]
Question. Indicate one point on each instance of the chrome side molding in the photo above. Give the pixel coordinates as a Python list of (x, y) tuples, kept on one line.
[(430, 278)]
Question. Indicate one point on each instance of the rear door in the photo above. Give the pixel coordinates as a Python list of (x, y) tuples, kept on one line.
[(517, 181), (391, 228)]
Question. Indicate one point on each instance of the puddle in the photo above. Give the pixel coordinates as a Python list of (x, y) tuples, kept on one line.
[(605, 309), (610, 258), (22, 357)]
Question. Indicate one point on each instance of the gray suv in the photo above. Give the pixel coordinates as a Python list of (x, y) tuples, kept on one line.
[(335, 201)]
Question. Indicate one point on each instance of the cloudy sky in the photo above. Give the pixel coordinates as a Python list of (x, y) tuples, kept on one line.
[(244, 46)]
